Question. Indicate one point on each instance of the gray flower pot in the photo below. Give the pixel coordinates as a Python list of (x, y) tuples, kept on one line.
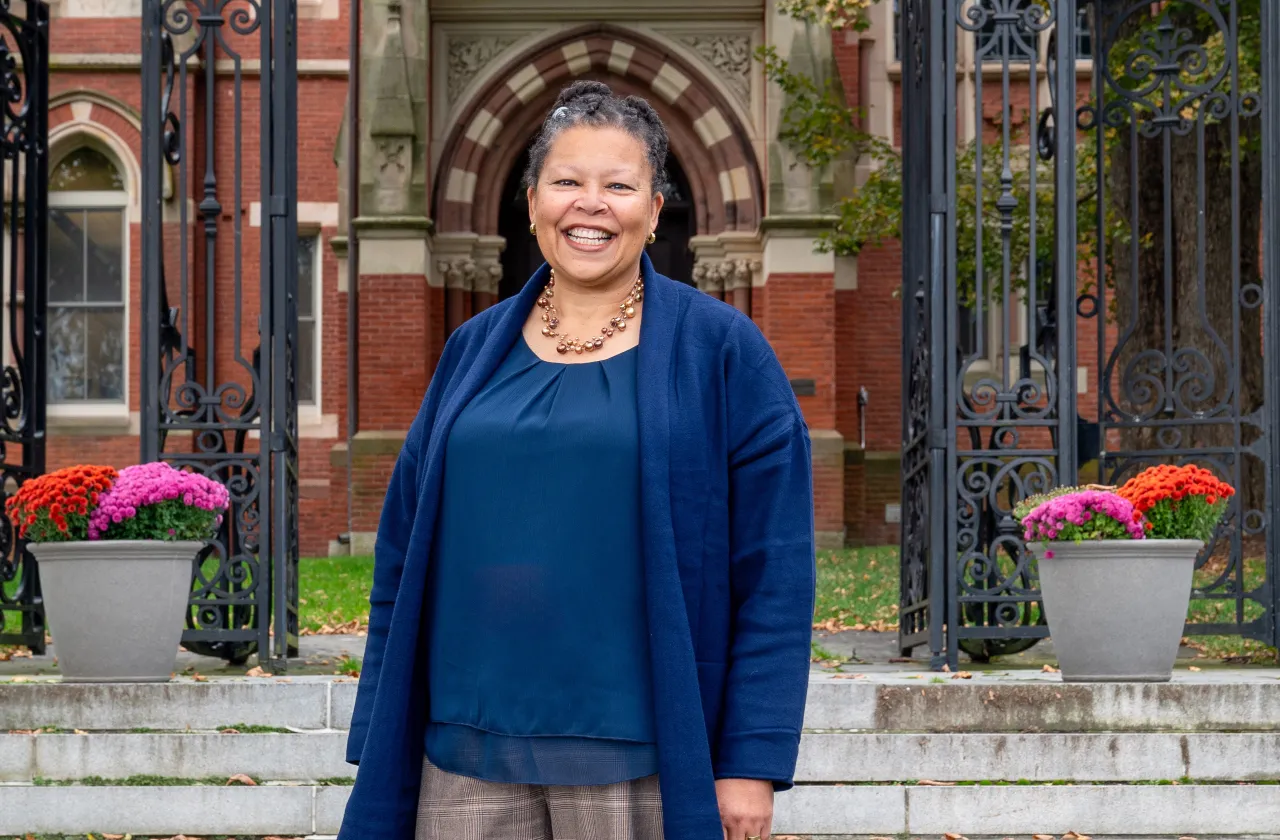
[(1117, 608), (116, 608)]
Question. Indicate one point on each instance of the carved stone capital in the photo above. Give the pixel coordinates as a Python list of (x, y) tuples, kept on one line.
[(725, 275), (458, 273)]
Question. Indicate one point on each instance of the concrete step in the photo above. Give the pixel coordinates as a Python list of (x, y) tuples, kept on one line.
[(1110, 749), (844, 757), (1098, 810), (1220, 700)]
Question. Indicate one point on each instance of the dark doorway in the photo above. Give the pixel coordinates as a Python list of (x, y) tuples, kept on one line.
[(671, 254)]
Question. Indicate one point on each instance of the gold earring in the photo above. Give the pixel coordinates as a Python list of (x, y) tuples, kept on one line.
[(533, 229), (653, 237)]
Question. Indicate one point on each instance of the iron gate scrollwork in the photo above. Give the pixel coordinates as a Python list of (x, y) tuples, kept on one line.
[(24, 167), (1097, 176), (219, 327)]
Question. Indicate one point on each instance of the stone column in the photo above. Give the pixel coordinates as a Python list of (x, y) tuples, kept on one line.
[(401, 330), (793, 298), (488, 258)]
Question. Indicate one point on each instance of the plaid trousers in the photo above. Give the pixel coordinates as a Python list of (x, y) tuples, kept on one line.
[(453, 807)]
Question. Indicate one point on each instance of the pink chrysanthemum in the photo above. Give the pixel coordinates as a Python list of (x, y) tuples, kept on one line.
[(153, 483)]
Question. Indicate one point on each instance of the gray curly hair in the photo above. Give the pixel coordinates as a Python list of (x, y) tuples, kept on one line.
[(594, 103)]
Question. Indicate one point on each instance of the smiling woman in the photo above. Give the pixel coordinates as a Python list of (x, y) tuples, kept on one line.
[(627, 657)]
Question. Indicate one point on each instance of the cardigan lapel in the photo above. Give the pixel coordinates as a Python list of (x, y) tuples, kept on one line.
[(685, 772)]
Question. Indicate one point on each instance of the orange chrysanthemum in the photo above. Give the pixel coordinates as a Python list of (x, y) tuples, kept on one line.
[(46, 502), (1168, 482)]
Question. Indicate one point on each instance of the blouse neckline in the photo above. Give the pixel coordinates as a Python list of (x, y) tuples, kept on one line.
[(525, 343)]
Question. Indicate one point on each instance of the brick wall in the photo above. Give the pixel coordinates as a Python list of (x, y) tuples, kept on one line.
[(116, 98)]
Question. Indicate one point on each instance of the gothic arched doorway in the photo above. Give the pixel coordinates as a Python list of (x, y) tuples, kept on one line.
[(671, 253)]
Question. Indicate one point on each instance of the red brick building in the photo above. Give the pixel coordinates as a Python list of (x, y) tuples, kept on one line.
[(451, 92)]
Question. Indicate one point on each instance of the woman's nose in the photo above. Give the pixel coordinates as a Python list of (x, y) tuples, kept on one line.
[(590, 200)]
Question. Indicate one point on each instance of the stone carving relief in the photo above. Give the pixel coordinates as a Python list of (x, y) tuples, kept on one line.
[(467, 274), (393, 168), (468, 56), (726, 274), (730, 55)]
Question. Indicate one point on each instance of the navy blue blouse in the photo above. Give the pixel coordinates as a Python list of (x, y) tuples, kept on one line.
[(539, 657)]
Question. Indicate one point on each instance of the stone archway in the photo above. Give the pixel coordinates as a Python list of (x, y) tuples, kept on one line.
[(491, 133)]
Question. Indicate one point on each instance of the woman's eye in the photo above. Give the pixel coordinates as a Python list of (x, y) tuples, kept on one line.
[(620, 186), (565, 182)]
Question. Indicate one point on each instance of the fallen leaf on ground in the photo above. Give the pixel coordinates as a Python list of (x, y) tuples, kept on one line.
[(242, 779), (1072, 835), (1186, 837), (24, 732), (1043, 837), (849, 677), (962, 675), (200, 678), (229, 731), (1193, 668), (953, 836), (22, 653), (113, 837), (79, 732), (1049, 669), (256, 671), (932, 783)]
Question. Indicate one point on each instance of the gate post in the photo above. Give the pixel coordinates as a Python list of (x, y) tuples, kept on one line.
[(202, 374), (24, 64), (1270, 82)]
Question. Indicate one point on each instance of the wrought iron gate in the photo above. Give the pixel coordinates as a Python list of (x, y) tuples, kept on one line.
[(1084, 290), (219, 326), (24, 167)]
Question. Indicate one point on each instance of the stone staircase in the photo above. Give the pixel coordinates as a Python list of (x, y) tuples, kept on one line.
[(886, 753)]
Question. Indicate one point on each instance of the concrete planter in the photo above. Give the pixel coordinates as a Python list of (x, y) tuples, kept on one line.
[(116, 607), (1117, 608)]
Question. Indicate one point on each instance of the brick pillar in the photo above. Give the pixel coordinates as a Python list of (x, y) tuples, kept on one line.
[(795, 308), (400, 338)]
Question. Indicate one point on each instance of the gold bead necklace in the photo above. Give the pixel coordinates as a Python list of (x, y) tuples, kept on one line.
[(550, 317)]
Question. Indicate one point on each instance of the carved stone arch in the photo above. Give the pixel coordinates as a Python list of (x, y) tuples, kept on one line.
[(706, 134)]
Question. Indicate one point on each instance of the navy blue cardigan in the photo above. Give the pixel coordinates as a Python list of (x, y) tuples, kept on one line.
[(727, 501)]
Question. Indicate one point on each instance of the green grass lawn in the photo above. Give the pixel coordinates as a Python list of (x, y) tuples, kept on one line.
[(334, 592)]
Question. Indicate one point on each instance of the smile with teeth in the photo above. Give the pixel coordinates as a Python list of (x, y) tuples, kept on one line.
[(588, 236)]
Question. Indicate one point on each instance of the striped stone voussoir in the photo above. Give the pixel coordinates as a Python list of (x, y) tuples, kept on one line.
[(668, 81)]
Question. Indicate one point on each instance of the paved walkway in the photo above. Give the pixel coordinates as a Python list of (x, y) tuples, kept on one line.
[(864, 650)]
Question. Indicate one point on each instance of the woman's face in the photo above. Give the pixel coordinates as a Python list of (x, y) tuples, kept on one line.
[(594, 204)]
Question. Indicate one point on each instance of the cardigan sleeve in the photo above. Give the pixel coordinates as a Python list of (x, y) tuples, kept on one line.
[(394, 527), (772, 571)]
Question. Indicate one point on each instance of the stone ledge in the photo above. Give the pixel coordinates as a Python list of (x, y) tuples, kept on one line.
[(303, 704), (1076, 757), (367, 445), (1148, 810), (265, 756), (262, 810), (1246, 700)]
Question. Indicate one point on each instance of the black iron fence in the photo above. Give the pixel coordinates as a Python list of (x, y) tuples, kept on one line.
[(1091, 247), (219, 300), (24, 164)]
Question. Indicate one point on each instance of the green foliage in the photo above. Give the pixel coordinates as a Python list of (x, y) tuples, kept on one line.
[(1030, 503), (837, 14), (819, 128), (1097, 527), (1191, 518), (44, 529), (170, 520)]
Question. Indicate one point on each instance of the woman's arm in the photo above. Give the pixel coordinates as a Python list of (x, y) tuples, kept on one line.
[(772, 571)]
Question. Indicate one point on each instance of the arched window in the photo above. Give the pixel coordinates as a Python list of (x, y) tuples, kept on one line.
[(88, 279)]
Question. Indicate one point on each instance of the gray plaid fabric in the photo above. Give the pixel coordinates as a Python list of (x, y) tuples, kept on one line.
[(453, 807)]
